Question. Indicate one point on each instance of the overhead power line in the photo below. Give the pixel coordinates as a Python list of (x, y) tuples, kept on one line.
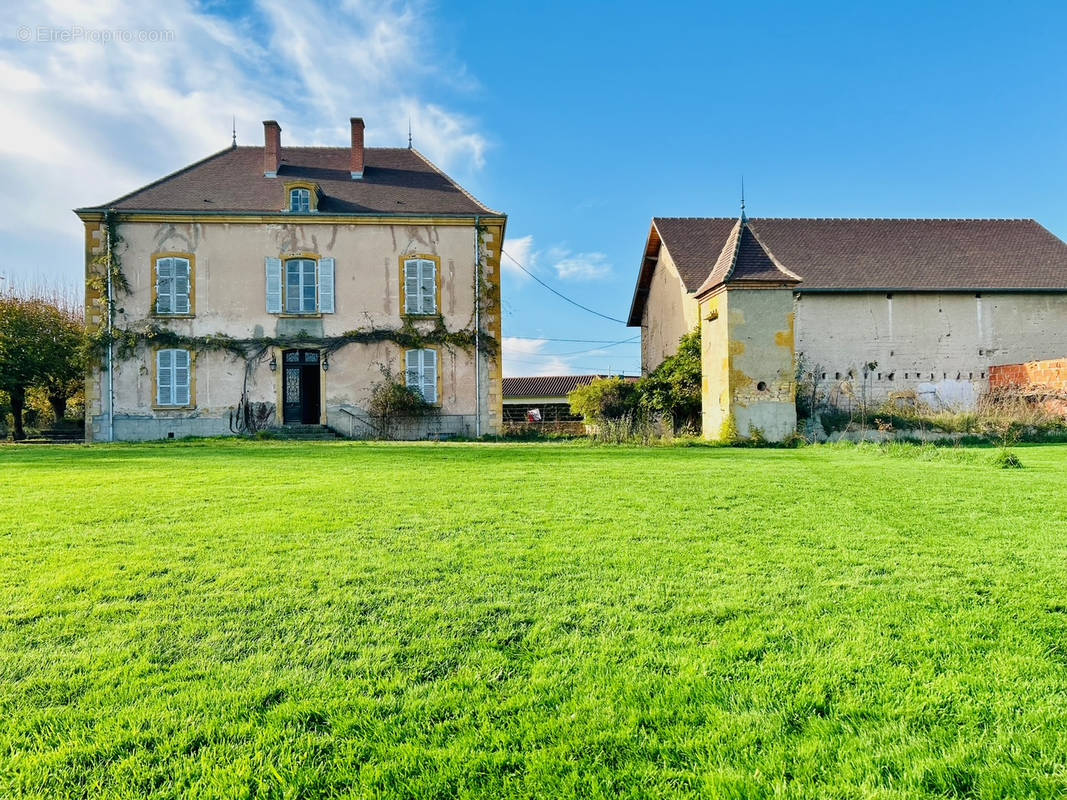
[(631, 340), (549, 339), (560, 294)]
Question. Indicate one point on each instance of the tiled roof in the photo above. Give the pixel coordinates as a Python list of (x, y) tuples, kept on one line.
[(871, 254), (743, 259), (395, 181), (546, 385)]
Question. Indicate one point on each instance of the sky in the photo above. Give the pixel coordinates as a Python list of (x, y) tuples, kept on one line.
[(580, 121)]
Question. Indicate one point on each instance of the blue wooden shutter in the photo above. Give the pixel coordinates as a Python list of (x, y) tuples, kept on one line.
[(274, 285), (326, 270), (428, 287), (165, 378), (429, 376), (182, 377), (411, 370), (411, 287), (182, 285), (164, 286)]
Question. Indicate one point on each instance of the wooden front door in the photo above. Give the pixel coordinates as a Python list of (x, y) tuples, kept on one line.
[(301, 394)]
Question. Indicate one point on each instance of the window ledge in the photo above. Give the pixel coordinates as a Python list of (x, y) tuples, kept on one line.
[(158, 315), (316, 315), (436, 315), (172, 408)]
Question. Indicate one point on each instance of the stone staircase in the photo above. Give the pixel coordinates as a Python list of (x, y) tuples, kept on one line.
[(305, 433), (68, 434)]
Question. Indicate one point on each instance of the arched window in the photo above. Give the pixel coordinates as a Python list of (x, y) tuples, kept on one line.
[(300, 200)]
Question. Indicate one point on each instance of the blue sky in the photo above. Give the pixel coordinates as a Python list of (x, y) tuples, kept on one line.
[(581, 121)]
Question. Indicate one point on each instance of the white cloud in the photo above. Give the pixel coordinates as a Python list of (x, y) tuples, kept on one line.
[(520, 250), (523, 357), (86, 121), (582, 267), (568, 266)]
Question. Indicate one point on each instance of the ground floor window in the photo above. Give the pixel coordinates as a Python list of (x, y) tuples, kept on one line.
[(173, 377), (422, 373)]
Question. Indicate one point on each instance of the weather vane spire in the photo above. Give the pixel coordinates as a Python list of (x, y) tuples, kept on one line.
[(409, 131), (743, 217), (235, 130)]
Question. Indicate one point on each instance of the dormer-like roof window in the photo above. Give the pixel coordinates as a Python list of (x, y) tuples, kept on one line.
[(301, 197), (299, 200)]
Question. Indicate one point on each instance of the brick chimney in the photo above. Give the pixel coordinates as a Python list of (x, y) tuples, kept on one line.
[(357, 148), (272, 148)]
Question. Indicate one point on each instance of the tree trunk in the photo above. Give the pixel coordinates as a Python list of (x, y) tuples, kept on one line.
[(58, 401), (18, 402)]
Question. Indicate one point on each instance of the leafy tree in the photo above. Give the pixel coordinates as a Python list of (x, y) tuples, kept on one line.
[(40, 345), (673, 389), (603, 399)]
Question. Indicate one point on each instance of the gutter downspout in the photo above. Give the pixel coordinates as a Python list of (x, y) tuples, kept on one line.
[(110, 343), (477, 331)]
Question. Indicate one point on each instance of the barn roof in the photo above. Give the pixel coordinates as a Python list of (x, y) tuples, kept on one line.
[(869, 254)]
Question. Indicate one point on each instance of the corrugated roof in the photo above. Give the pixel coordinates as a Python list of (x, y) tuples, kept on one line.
[(398, 181), (871, 254), (546, 385)]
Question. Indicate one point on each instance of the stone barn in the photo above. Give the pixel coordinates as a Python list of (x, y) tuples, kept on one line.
[(885, 307)]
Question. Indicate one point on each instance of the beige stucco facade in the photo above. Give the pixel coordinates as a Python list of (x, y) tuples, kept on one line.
[(229, 288), (670, 313)]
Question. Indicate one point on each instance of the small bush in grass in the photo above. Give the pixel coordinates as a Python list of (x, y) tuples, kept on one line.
[(1006, 459)]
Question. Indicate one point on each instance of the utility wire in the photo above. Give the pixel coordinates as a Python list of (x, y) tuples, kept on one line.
[(560, 294), (590, 350), (548, 339)]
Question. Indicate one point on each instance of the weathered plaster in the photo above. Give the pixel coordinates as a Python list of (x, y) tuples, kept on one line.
[(230, 299), (670, 313), (939, 346)]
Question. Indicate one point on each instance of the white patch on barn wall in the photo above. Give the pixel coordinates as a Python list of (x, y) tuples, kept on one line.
[(948, 395)]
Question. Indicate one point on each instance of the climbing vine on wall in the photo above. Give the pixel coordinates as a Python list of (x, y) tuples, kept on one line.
[(108, 262), (128, 340), (125, 342)]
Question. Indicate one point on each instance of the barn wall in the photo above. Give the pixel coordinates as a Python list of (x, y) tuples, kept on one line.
[(670, 313), (940, 346)]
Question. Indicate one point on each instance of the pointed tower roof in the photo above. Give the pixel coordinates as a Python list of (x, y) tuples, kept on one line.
[(744, 260)]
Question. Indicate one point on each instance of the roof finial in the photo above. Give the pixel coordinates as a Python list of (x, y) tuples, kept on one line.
[(409, 131), (743, 217), (234, 130)]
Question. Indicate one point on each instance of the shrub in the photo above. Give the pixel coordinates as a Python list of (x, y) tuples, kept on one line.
[(604, 399), (1006, 459), (673, 389), (392, 402)]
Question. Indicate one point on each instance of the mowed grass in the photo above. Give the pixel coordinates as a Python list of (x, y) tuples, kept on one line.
[(235, 619)]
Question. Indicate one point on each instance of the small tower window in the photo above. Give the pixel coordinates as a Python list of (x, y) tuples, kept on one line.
[(300, 200)]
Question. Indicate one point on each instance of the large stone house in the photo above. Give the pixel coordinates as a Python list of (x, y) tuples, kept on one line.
[(881, 308), (278, 285)]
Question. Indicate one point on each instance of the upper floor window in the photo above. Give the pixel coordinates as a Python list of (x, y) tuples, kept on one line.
[(299, 200), (174, 283), (420, 286), (173, 378), (300, 285)]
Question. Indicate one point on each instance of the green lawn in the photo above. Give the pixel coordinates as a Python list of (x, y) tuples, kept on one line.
[(235, 619)]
